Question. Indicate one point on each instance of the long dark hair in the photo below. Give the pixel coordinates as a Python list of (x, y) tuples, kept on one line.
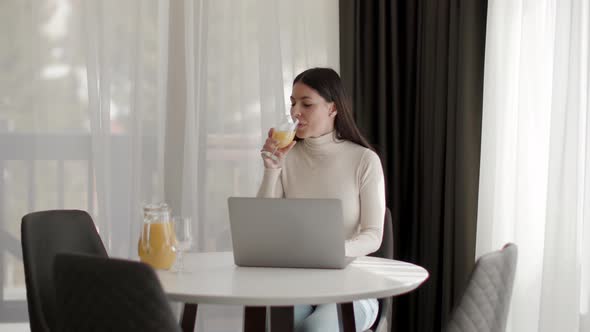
[(329, 85)]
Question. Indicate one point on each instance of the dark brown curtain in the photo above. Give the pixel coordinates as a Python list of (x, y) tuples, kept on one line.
[(415, 72)]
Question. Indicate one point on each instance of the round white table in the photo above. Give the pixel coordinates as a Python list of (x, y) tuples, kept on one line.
[(213, 278)]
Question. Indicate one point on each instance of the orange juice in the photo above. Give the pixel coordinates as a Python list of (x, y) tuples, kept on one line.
[(155, 246), (283, 137)]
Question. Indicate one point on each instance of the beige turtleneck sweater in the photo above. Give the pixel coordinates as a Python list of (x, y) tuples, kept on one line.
[(323, 167)]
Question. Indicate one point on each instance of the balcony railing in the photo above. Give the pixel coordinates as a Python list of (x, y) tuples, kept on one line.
[(62, 149)]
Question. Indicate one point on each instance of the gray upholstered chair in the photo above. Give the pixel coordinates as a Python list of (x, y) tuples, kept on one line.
[(485, 303), (43, 235), (101, 294), (383, 322)]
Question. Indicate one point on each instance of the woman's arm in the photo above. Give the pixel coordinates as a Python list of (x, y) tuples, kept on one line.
[(372, 207), (271, 186)]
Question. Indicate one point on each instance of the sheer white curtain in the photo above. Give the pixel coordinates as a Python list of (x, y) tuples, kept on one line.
[(108, 104), (125, 47), (240, 59), (80, 112), (535, 162)]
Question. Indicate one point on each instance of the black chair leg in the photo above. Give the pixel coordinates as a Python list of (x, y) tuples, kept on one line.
[(189, 317), (281, 319), (254, 319), (346, 317)]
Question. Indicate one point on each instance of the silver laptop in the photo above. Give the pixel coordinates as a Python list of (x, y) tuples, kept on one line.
[(292, 232)]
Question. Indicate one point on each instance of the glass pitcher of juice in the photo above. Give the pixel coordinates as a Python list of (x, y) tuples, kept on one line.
[(156, 241)]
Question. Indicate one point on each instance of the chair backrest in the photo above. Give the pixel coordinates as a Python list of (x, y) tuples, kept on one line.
[(101, 294), (43, 235), (386, 248), (485, 303), (385, 251)]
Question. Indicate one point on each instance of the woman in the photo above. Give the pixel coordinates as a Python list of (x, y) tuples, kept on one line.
[(329, 159)]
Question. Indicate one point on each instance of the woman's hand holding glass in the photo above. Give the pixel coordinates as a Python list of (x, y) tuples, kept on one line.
[(279, 143)]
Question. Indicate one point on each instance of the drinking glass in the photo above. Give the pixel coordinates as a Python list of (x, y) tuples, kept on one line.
[(284, 133), (184, 239)]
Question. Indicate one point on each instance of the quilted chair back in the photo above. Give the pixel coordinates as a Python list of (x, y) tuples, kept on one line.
[(485, 303), (102, 294)]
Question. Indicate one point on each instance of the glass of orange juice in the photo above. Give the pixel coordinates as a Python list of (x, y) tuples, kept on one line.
[(157, 238), (283, 133)]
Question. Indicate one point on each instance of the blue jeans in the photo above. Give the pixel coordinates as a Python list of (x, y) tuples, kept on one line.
[(324, 317)]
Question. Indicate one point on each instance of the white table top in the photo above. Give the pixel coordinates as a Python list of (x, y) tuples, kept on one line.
[(213, 278)]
